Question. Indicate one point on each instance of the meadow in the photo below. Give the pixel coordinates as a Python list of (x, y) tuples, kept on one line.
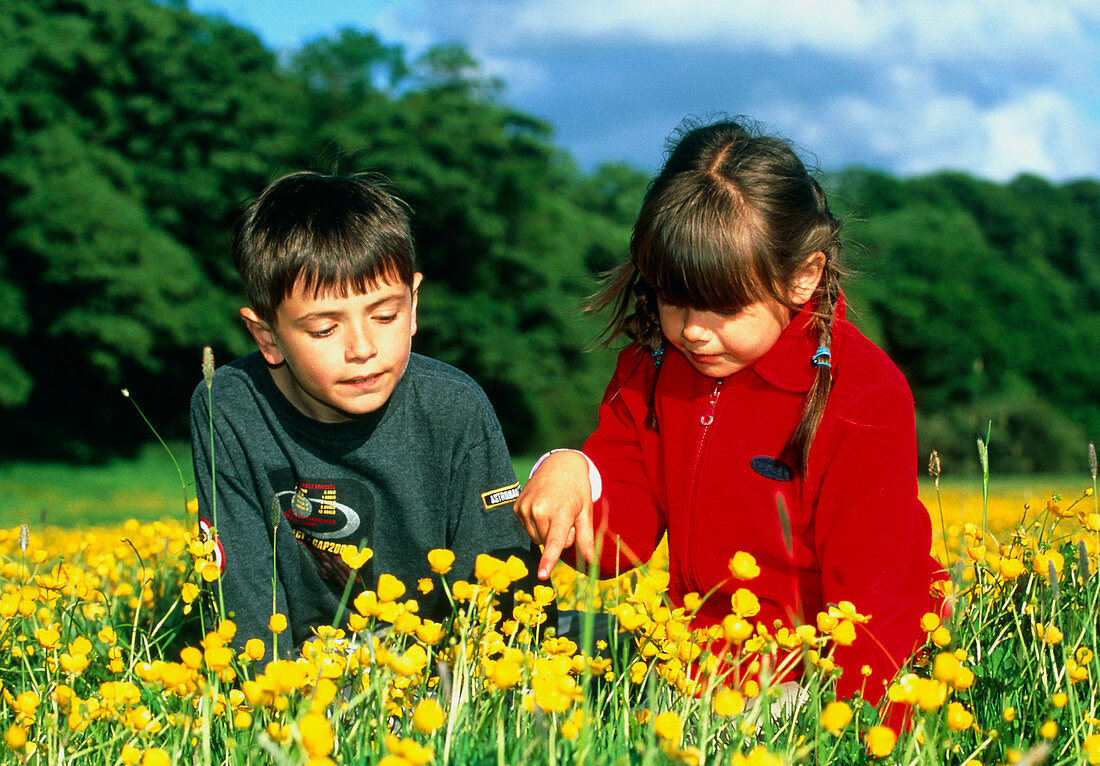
[(104, 657)]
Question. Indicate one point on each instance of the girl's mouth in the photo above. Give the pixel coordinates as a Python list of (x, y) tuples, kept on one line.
[(705, 358)]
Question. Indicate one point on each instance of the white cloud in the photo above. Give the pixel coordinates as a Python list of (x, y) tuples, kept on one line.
[(928, 30), (1043, 133), (918, 128), (994, 88)]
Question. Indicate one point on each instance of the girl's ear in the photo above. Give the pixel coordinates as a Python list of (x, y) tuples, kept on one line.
[(807, 278), (263, 335)]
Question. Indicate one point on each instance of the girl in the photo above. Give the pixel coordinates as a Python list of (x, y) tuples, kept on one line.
[(747, 414)]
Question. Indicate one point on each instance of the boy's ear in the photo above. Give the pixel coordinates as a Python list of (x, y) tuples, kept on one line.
[(807, 278), (417, 279), (264, 337)]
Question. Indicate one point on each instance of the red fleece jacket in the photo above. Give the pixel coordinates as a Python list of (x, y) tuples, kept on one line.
[(707, 477)]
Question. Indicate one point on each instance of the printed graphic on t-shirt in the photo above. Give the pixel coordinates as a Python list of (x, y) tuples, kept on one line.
[(328, 516)]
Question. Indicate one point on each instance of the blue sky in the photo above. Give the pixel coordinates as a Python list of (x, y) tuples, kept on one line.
[(910, 86)]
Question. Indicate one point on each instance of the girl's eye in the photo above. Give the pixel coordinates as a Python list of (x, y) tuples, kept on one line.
[(386, 318), (322, 333), (728, 313)]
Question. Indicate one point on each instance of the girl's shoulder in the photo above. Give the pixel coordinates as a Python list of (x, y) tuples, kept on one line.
[(863, 372), (636, 365)]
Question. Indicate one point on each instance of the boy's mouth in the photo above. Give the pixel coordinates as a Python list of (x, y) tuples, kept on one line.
[(362, 381)]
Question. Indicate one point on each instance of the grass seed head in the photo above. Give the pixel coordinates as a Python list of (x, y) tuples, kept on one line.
[(208, 366)]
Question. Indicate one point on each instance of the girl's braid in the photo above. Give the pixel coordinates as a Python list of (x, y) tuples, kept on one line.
[(827, 296)]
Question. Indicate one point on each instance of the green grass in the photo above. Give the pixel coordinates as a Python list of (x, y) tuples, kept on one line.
[(146, 487)]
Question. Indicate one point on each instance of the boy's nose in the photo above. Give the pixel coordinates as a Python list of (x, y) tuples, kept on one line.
[(360, 346)]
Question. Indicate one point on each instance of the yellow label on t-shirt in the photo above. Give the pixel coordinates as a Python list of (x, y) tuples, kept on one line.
[(495, 497)]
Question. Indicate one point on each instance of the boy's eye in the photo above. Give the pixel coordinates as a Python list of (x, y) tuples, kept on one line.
[(321, 333), (386, 318)]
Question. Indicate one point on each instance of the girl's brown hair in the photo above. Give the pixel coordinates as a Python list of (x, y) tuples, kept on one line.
[(731, 218)]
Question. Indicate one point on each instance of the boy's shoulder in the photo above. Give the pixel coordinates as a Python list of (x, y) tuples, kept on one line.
[(232, 380), (433, 383)]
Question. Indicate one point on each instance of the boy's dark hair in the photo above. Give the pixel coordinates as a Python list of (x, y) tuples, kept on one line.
[(731, 218), (325, 232)]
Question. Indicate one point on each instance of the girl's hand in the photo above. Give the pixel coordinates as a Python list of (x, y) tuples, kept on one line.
[(555, 507)]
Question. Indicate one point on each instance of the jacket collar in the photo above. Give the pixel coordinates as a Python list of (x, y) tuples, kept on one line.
[(787, 365)]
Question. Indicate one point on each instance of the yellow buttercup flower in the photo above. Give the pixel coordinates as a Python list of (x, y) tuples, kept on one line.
[(492, 572), (441, 560), (929, 622), (428, 716), (316, 734), (277, 623), (745, 602), (48, 638), (759, 756), (728, 702), (743, 566), (1011, 568), (254, 649), (835, 717), (15, 737), (668, 726), (844, 633), (355, 557), (880, 741), (505, 672), (155, 756), (1092, 748), (430, 632), (390, 588), (958, 717)]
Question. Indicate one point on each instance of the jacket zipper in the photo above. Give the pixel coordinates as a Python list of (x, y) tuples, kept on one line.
[(706, 419)]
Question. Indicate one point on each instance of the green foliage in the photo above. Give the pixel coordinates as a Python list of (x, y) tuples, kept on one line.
[(131, 133), (986, 297)]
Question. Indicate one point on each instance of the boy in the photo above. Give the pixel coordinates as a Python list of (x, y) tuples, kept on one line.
[(333, 436)]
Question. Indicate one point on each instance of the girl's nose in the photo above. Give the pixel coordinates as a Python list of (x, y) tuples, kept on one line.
[(691, 329)]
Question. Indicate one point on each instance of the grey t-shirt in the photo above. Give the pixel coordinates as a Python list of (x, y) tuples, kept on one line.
[(428, 470)]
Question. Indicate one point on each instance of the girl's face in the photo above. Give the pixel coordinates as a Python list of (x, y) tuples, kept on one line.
[(718, 344)]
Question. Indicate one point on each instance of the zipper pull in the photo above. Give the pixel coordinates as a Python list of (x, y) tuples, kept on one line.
[(712, 404)]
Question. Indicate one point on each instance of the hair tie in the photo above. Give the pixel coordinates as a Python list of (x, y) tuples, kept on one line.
[(822, 357), (658, 356)]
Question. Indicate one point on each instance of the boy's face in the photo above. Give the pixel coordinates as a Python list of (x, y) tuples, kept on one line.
[(336, 358)]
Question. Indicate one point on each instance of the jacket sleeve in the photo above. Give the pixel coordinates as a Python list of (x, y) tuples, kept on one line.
[(625, 452), (482, 487), (873, 536), (243, 535)]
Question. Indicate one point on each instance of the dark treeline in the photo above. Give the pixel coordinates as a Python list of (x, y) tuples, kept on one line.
[(131, 133)]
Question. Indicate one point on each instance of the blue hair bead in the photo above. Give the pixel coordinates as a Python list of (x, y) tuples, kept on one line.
[(658, 356), (822, 357)]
